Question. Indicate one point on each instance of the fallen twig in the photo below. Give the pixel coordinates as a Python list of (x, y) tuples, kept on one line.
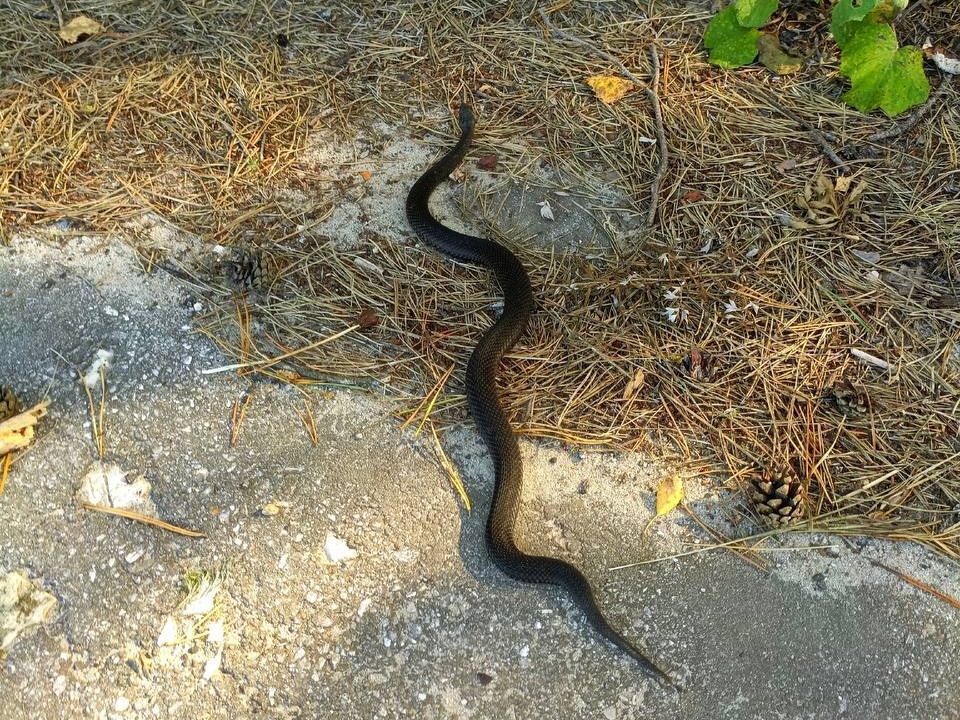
[(651, 92), (950, 600)]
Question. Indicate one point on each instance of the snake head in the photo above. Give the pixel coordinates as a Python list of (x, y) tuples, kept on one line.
[(466, 119)]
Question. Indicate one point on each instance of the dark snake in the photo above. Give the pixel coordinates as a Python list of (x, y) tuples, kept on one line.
[(484, 402)]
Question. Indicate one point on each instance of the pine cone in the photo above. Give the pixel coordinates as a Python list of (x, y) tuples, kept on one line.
[(848, 399), (246, 270), (9, 404), (779, 494)]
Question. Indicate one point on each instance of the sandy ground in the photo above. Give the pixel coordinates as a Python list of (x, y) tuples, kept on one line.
[(418, 623)]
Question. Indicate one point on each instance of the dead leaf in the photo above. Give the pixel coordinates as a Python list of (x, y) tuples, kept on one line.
[(842, 183), (635, 384), (368, 318), (78, 29), (773, 57), (819, 199), (699, 365), (17, 432), (366, 175), (691, 196), (609, 88), (487, 162)]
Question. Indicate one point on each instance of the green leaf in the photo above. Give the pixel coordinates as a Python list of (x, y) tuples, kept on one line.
[(882, 76), (730, 44), (847, 14), (846, 17), (754, 13)]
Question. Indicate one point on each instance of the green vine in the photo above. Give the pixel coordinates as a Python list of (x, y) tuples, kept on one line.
[(881, 74)]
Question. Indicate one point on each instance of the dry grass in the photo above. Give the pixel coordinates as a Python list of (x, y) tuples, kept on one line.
[(203, 117)]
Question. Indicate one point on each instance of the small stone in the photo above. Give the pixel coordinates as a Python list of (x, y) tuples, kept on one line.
[(122, 704), (363, 607), (212, 665)]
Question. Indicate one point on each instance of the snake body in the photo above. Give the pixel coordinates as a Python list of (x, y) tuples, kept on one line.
[(484, 403)]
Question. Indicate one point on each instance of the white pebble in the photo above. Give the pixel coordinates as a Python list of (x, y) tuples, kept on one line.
[(60, 684)]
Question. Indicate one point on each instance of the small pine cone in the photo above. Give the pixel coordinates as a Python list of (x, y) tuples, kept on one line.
[(245, 272), (778, 495), (9, 404), (848, 399)]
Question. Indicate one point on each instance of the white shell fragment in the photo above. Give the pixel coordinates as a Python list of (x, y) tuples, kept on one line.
[(105, 484), (168, 633), (337, 550)]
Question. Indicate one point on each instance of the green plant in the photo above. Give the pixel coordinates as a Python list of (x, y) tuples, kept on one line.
[(882, 74)]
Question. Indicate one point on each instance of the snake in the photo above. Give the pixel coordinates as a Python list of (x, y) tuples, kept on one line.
[(484, 403)]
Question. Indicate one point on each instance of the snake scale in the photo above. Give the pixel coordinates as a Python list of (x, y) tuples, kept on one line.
[(483, 400)]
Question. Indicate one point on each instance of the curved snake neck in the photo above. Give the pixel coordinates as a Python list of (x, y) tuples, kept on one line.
[(484, 402)]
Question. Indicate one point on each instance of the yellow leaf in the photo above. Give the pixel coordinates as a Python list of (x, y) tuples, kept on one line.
[(609, 88), (842, 183), (80, 28), (669, 494)]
